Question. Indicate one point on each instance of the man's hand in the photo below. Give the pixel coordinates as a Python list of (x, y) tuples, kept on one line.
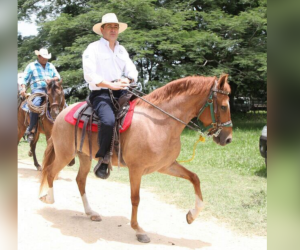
[(48, 81), (120, 84), (125, 80), (22, 92)]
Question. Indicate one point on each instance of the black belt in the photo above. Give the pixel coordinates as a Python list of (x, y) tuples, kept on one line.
[(100, 91)]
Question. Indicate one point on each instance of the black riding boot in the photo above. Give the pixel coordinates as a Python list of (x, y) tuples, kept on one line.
[(101, 169), (29, 135)]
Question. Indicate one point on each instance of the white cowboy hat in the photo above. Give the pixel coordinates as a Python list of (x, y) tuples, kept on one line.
[(43, 52), (109, 18)]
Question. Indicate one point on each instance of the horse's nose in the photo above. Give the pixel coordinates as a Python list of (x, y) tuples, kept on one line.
[(228, 140)]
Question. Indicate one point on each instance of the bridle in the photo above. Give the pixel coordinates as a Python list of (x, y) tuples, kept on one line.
[(216, 126), (56, 103)]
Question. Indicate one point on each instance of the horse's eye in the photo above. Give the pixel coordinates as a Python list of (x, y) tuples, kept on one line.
[(223, 108)]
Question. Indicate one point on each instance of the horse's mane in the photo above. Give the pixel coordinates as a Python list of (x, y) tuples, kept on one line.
[(191, 85)]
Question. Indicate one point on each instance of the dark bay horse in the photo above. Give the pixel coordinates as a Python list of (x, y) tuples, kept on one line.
[(56, 103), (152, 143)]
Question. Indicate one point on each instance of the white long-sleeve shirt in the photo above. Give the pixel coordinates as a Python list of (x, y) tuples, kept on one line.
[(101, 63)]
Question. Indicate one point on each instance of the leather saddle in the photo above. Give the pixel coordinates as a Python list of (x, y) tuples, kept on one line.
[(87, 115)]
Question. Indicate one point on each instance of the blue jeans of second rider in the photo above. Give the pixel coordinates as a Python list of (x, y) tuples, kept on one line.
[(37, 101)]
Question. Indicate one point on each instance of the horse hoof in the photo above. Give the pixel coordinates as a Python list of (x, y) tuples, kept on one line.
[(189, 218), (29, 153), (44, 199), (143, 238), (96, 218), (39, 168)]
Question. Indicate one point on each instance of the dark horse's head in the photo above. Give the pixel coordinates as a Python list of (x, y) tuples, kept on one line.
[(56, 97), (218, 117)]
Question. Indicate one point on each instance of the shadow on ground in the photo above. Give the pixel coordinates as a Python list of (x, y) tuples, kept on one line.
[(114, 228)]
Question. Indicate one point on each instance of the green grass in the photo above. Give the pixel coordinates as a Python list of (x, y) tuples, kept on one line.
[(233, 178)]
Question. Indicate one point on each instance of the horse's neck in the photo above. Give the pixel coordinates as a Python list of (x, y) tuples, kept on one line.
[(183, 107)]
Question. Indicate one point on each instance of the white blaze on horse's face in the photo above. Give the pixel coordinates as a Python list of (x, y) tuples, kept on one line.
[(55, 94), (225, 136)]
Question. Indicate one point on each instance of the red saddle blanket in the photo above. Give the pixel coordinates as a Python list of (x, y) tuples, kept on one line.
[(127, 121)]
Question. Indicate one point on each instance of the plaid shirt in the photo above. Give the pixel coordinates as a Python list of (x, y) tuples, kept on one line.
[(35, 72)]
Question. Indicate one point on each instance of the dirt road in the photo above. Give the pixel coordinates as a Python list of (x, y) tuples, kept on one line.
[(63, 225)]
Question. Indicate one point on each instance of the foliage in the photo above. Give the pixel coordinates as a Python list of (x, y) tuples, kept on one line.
[(167, 39)]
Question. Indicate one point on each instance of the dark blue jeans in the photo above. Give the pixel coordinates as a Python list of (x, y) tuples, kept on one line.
[(37, 101), (104, 109)]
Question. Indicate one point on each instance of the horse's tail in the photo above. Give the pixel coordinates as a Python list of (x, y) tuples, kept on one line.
[(49, 157)]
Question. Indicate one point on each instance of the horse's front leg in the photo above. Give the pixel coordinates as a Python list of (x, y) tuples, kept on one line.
[(32, 150), (179, 171), (21, 125), (135, 182)]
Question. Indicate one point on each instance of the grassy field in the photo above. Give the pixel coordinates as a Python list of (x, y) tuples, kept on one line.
[(233, 178)]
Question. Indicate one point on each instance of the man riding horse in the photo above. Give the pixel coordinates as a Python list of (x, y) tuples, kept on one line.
[(37, 75), (103, 62)]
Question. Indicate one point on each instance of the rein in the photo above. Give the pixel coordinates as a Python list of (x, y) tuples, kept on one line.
[(175, 118), (217, 127), (32, 84)]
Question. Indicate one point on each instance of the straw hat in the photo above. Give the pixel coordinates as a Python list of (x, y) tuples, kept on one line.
[(109, 18), (43, 52)]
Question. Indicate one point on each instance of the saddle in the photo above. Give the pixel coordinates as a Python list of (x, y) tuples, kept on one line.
[(90, 123)]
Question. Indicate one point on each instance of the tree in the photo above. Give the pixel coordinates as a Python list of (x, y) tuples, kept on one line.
[(167, 39)]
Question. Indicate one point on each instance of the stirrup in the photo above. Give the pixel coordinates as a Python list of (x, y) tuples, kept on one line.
[(105, 160), (30, 137), (27, 132)]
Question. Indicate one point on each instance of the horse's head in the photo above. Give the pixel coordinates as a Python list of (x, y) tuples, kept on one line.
[(56, 97), (215, 115)]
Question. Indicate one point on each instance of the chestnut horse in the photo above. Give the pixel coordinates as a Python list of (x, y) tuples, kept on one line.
[(56, 102), (152, 142)]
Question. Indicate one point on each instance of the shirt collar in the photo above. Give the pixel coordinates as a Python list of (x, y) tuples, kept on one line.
[(105, 42), (37, 62)]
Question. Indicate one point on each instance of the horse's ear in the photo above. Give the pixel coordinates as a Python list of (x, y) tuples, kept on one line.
[(222, 80), (60, 82)]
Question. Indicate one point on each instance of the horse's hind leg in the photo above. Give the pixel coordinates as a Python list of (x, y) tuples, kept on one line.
[(179, 171), (51, 168), (32, 150), (85, 165), (71, 162), (135, 182)]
